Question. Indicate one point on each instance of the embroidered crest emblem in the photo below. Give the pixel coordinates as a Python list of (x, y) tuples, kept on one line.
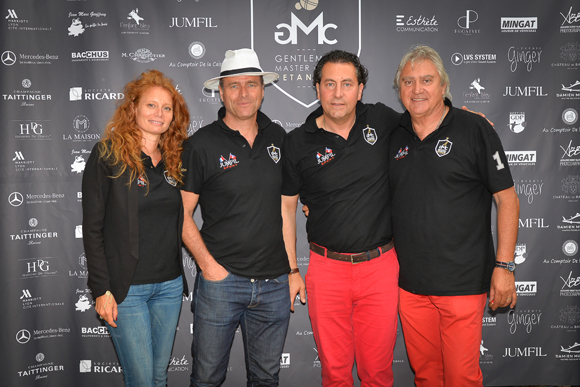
[(274, 153), (443, 147), (370, 135), (141, 182), (169, 179)]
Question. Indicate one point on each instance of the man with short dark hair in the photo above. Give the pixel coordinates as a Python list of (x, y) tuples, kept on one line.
[(338, 163), (233, 169)]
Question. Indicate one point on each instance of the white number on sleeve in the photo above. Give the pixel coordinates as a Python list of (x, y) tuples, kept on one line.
[(499, 165)]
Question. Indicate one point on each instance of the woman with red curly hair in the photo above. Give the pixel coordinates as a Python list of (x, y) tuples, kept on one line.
[(132, 219)]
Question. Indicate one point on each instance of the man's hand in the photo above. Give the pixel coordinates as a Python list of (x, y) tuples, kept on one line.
[(502, 292), (478, 113), (297, 286), (214, 272)]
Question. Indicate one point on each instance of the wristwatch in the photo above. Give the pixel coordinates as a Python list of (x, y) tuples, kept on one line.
[(509, 266)]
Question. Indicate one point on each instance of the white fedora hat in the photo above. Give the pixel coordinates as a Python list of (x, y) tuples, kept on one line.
[(237, 63)]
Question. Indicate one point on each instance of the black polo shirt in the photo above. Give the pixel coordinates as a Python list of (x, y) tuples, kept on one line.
[(442, 192), (343, 182), (159, 207), (239, 190)]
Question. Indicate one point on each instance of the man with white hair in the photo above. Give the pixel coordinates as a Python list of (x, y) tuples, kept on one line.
[(233, 169), (445, 167)]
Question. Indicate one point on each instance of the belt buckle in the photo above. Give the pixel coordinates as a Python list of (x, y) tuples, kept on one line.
[(352, 257)]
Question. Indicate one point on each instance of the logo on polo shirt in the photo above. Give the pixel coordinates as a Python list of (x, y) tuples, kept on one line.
[(141, 182), (169, 179), (228, 163), (326, 157), (274, 153), (402, 153), (443, 147), (370, 135)]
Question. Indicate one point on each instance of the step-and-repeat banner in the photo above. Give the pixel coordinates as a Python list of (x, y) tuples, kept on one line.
[(64, 63)]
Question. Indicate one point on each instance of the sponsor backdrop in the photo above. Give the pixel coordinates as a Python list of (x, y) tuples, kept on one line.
[(64, 63)]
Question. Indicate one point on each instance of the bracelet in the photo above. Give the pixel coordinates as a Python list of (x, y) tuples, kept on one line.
[(294, 271)]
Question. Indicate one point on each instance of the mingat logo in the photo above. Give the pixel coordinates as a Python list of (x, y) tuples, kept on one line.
[(521, 157), (526, 288), (519, 24), (285, 360)]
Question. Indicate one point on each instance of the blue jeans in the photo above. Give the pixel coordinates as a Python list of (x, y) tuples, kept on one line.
[(145, 331), (260, 307)]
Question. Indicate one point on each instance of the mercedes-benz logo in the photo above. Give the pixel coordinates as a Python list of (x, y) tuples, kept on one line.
[(15, 199), (23, 336), (8, 58)]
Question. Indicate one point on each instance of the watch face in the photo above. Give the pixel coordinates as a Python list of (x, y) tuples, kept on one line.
[(511, 266)]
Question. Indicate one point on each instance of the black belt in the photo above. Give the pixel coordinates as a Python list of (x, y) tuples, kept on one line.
[(352, 258)]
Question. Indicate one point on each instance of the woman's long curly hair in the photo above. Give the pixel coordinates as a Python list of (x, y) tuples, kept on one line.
[(121, 144)]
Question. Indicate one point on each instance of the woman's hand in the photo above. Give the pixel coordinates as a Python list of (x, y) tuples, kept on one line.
[(106, 307)]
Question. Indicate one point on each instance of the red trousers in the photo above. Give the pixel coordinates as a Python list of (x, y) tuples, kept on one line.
[(443, 337), (353, 310)]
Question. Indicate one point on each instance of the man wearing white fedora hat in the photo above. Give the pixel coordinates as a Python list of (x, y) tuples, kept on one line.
[(233, 169)]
